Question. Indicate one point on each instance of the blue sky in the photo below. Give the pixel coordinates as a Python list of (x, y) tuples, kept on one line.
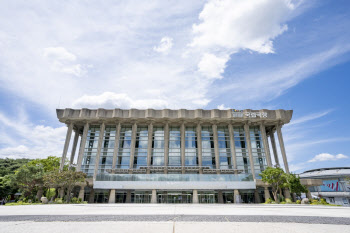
[(177, 54)]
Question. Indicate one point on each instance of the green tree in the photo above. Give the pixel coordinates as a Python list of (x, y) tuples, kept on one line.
[(28, 178), (6, 187), (276, 178), (65, 179), (294, 185), (49, 164)]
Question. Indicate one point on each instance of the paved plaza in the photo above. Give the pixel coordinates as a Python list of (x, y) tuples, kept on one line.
[(166, 218)]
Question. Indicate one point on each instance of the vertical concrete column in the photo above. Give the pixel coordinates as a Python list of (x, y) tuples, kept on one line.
[(154, 196), (111, 198), (74, 148), (116, 145), (128, 196), (233, 148), (92, 196), (133, 143), (199, 148), (81, 192), (274, 148), (220, 197), (236, 196), (166, 146), (266, 193), (266, 145), (256, 196), (149, 146), (183, 146), (283, 150), (195, 197), (249, 147), (82, 145), (99, 146), (216, 147), (66, 145)]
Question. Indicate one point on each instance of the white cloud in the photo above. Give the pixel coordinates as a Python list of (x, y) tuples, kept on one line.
[(212, 66), (222, 107), (63, 61), (113, 100), (166, 43), (327, 157), (309, 117), (31, 141)]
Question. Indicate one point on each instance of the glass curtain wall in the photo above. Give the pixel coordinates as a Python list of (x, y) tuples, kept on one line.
[(124, 147), (191, 156), (157, 158), (90, 150), (208, 152), (242, 155), (174, 146), (141, 145), (225, 157), (106, 156), (258, 150)]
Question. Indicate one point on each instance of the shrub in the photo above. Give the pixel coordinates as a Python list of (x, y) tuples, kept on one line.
[(58, 201), (268, 201), (298, 202), (74, 200), (50, 193), (282, 202), (323, 201), (80, 200), (288, 201)]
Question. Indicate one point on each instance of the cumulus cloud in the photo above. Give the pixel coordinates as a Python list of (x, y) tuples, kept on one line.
[(114, 100), (63, 61), (222, 107), (212, 66), (327, 157), (166, 43)]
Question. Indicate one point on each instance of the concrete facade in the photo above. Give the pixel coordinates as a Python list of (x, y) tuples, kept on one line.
[(125, 152)]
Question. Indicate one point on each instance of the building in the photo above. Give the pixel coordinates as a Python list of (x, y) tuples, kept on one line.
[(174, 156), (334, 188)]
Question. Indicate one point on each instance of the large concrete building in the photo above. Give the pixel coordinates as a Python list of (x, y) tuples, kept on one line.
[(335, 187), (174, 156)]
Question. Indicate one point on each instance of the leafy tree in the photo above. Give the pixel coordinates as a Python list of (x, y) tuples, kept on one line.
[(9, 166), (276, 178), (65, 179), (293, 182), (49, 164), (28, 178), (6, 187)]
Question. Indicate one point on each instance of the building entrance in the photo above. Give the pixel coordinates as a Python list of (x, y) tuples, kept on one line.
[(174, 197)]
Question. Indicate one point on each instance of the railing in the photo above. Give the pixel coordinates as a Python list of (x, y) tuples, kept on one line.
[(174, 177)]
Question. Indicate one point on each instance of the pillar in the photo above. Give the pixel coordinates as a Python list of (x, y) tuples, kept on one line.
[(256, 196), (199, 148), (266, 193), (75, 142), (99, 146), (66, 145), (81, 192), (111, 198), (154, 196), (236, 197), (82, 146), (216, 147), (220, 197), (128, 197), (286, 193), (274, 148), (233, 148), (132, 146), (166, 146), (195, 197), (283, 150), (266, 145), (116, 146), (149, 145), (249, 147), (308, 194), (61, 192), (183, 146), (92, 196)]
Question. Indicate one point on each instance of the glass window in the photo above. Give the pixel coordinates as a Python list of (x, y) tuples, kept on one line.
[(157, 158), (224, 148), (258, 150), (242, 156), (141, 147), (208, 152), (106, 155), (191, 157), (174, 146), (124, 150), (90, 150)]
